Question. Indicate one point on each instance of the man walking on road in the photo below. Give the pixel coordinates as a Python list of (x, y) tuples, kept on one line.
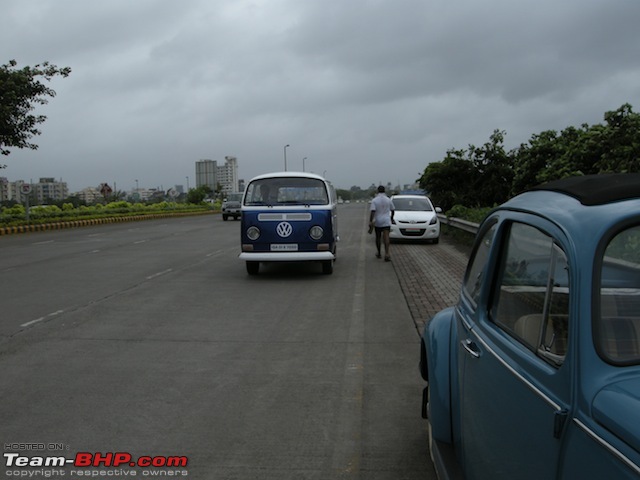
[(381, 217)]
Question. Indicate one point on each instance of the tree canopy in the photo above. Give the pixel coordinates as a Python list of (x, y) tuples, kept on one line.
[(488, 175), (197, 195), (21, 89)]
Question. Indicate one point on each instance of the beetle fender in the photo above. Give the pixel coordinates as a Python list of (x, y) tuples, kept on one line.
[(437, 340)]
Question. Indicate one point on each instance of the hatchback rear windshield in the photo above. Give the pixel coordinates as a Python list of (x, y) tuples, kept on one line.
[(286, 191), (412, 204), (617, 327)]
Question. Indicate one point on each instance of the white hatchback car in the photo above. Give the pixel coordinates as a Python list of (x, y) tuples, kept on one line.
[(415, 219)]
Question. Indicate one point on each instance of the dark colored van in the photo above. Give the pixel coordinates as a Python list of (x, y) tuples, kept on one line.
[(289, 217)]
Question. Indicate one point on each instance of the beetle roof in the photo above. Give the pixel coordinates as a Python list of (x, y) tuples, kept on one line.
[(597, 189)]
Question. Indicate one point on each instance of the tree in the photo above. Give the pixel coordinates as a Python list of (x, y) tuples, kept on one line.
[(20, 91), (475, 177), (533, 158), (343, 194), (622, 143), (197, 195), (589, 149), (449, 182), (488, 175), (494, 171)]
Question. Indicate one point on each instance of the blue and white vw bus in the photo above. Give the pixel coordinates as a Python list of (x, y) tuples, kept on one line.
[(289, 217)]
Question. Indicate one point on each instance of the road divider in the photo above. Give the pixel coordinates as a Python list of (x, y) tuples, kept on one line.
[(93, 221)]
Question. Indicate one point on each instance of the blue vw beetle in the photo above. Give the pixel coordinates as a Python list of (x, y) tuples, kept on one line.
[(289, 217), (535, 373)]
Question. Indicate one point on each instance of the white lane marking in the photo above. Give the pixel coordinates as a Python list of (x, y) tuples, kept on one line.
[(159, 273), (140, 241), (53, 314), (43, 242), (347, 451)]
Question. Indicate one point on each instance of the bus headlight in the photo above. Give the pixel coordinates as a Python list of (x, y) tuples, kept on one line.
[(316, 232), (253, 233)]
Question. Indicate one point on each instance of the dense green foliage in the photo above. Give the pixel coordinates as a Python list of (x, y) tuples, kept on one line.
[(197, 195), (489, 175), (475, 215), (20, 91), (17, 215)]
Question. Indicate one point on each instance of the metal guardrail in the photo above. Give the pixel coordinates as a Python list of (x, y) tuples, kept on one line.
[(470, 227)]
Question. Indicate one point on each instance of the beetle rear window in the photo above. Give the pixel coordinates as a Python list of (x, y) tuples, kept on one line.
[(617, 327)]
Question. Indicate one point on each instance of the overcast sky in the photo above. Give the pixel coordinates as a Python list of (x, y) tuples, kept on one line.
[(368, 90)]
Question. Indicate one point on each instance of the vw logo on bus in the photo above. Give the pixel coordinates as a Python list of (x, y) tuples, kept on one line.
[(284, 229)]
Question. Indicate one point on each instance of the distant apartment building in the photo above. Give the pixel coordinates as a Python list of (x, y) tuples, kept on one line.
[(210, 174), (89, 195), (4, 189), (46, 190)]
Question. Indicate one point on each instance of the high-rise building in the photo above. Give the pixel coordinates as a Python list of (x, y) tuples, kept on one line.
[(225, 176), (228, 175), (206, 174)]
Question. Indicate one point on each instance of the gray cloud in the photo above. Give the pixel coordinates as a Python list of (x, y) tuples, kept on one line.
[(367, 90)]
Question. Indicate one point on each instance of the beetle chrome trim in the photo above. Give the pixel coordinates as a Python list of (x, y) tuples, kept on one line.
[(614, 451)]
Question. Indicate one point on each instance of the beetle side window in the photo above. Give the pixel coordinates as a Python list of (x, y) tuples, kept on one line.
[(475, 272), (531, 301), (618, 325)]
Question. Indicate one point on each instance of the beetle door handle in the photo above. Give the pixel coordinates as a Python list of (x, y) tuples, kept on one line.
[(470, 347)]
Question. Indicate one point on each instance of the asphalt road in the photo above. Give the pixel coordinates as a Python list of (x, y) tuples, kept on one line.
[(150, 338)]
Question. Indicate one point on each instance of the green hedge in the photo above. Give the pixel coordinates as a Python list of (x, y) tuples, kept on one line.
[(16, 215), (475, 215)]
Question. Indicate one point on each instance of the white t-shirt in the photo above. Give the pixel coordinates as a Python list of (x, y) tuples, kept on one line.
[(382, 205)]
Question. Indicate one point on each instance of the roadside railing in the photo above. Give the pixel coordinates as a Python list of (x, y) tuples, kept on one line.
[(458, 223)]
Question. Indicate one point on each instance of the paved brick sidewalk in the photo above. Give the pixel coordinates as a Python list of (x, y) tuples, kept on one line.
[(430, 276)]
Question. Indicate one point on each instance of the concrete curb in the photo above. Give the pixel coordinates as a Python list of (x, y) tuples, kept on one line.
[(94, 221)]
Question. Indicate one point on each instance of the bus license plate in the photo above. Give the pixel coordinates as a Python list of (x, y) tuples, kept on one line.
[(284, 247)]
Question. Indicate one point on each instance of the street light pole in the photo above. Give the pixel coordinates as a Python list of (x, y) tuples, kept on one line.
[(285, 156), (303, 164)]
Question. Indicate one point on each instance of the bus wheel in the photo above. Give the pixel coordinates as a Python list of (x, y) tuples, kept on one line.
[(253, 268), (327, 267)]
